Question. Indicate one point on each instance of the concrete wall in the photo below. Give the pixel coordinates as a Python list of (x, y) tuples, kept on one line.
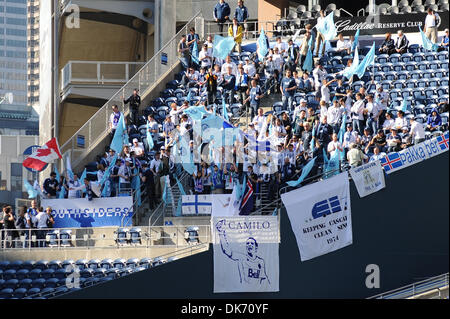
[(271, 10), (72, 117)]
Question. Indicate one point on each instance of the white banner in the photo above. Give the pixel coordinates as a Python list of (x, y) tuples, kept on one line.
[(225, 205), (368, 178), (99, 212), (320, 216), (246, 254), (196, 204)]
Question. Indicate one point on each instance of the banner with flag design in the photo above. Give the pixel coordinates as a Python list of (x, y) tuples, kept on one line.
[(43, 155)]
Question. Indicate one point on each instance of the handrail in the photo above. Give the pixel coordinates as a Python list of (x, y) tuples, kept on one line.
[(145, 79), (405, 291), (342, 9)]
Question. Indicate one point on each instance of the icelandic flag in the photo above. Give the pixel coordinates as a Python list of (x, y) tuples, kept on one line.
[(327, 27), (368, 60), (305, 171), (119, 136), (222, 46), (349, 71), (195, 53), (247, 200), (355, 41), (43, 155), (391, 161), (262, 46), (32, 193), (443, 141), (426, 43), (150, 142)]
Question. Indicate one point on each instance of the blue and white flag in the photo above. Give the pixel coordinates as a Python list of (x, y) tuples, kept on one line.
[(196, 204), (368, 60), (119, 136), (222, 46), (426, 43), (391, 161), (342, 128), (305, 171), (180, 186), (349, 71), (333, 165), (137, 193), (194, 54), (245, 259), (32, 193), (355, 41), (83, 176), (196, 112), (308, 64), (150, 142), (327, 27), (262, 46), (320, 216), (69, 168)]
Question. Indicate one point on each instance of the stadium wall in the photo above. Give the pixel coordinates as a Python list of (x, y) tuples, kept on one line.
[(403, 229)]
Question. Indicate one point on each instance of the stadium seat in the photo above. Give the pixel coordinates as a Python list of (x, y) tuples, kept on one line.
[(434, 82), (22, 274), (94, 264), (82, 264), (62, 273), (418, 57), (399, 66), (87, 273), (434, 65), (25, 283), (145, 262), (132, 263), (11, 283), (407, 93), (121, 236), (41, 264), (34, 291), (100, 272), (391, 76), (47, 291), (403, 75), (16, 265), (113, 273), (422, 83), (277, 107), (35, 273), (430, 56), (443, 56), (414, 48), (9, 274), (52, 283), (106, 263), (29, 264), (135, 236), (55, 265), (382, 58), (378, 77), (20, 293), (423, 66), (6, 293), (441, 73), (429, 92), (119, 263), (48, 273), (399, 84), (407, 57), (394, 58), (411, 83), (386, 85), (387, 67)]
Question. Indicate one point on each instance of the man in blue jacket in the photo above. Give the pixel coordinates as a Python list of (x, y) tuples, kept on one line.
[(241, 14), (221, 14)]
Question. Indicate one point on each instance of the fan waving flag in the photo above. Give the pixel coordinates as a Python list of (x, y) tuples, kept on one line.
[(327, 27), (222, 46), (43, 155), (349, 71), (355, 41), (368, 60), (262, 46)]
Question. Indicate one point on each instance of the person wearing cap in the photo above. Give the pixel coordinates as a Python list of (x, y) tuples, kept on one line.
[(138, 148), (444, 42), (135, 102), (236, 31)]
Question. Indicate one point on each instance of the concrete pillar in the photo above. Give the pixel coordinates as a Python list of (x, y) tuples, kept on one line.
[(394, 3), (165, 22)]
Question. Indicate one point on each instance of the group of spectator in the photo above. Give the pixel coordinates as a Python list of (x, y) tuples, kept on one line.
[(17, 231)]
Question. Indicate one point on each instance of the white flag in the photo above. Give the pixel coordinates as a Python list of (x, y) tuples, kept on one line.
[(368, 178), (246, 254), (320, 216)]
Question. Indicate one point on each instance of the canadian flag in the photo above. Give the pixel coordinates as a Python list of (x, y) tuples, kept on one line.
[(43, 155)]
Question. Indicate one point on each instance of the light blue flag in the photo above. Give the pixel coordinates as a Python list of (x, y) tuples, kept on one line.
[(195, 112), (404, 106), (262, 46), (106, 192), (119, 135), (342, 128), (62, 193), (167, 194), (180, 186), (333, 165), (69, 168), (325, 157), (189, 97), (275, 212), (426, 43), (327, 27), (355, 41), (83, 176), (178, 212), (313, 140), (150, 142), (58, 176), (212, 121), (349, 71), (305, 171), (222, 46), (108, 171), (194, 54), (164, 194), (137, 194), (32, 193), (308, 64), (225, 112), (368, 60)]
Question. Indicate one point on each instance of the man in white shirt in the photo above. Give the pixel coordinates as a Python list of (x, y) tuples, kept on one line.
[(204, 57), (74, 187), (249, 68), (114, 120), (277, 59), (174, 113), (334, 115), (281, 46), (357, 111), (228, 63), (209, 43), (299, 108), (373, 113), (319, 74), (430, 27), (259, 119), (350, 136), (417, 131), (343, 45), (137, 148), (334, 145), (43, 219)]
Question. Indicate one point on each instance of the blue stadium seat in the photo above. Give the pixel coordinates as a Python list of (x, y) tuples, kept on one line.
[(171, 100), (87, 273), (67, 262), (9, 274), (25, 283), (106, 263), (135, 236), (378, 77), (403, 75), (444, 81), (387, 67), (411, 83), (398, 67), (386, 85), (16, 265), (277, 107), (113, 273), (6, 293), (55, 265), (41, 264), (429, 92), (11, 283), (394, 58), (4, 265), (430, 56), (440, 73), (29, 264), (399, 84), (428, 74), (20, 293), (132, 263), (414, 48), (422, 83), (376, 67), (434, 82), (407, 93), (407, 57), (48, 273), (382, 58), (94, 264), (421, 118), (145, 262), (410, 66), (391, 76), (47, 291), (418, 57), (119, 263), (35, 273), (158, 261), (22, 274), (100, 272), (52, 283), (34, 291), (443, 56), (434, 65), (423, 65), (82, 264), (38, 283)]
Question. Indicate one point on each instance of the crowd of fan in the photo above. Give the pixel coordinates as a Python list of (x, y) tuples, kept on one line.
[(301, 131)]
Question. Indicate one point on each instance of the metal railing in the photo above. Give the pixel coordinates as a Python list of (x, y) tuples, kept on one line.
[(418, 288), (98, 72), (146, 79), (99, 237)]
